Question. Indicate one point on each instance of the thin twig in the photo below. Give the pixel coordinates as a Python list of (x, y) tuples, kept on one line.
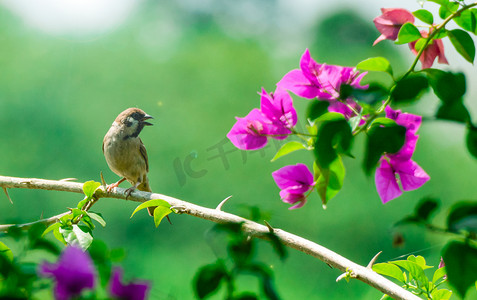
[(251, 228)]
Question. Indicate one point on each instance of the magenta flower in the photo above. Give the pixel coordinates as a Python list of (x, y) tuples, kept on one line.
[(398, 167), (390, 22), (411, 176), (131, 291), (250, 133), (294, 181), (411, 123), (433, 50), (319, 80), (73, 273), (278, 108)]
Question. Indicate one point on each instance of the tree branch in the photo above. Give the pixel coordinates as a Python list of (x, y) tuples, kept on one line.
[(333, 259)]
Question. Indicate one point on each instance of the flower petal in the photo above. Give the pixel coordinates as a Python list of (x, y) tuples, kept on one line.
[(386, 183), (411, 174), (298, 84), (249, 133), (292, 176)]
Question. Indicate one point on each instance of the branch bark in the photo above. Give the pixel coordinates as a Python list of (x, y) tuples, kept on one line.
[(364, 274)]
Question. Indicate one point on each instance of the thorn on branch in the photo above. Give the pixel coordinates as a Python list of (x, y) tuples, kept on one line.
[(270, 228), (373, 260), (219, 207), (103, 182), (68, 179), (8, 196)]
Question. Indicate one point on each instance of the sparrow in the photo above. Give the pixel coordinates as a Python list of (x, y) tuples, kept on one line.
[(125, 153)]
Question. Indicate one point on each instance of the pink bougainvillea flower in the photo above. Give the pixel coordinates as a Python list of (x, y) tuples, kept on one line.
[(411, 176), (278, 108), (344, 108), (428, 56), (73, 273), (398, 167), (411, 123), (250, 132), (390, 22), (136, 290), (294, 181), (321, 81)]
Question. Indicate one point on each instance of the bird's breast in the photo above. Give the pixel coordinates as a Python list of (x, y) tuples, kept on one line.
[(123, 157)]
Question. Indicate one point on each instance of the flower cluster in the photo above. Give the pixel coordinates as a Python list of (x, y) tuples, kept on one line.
[(389, 24), (275, 118), (323, 81), (75, 272), (411, 175)]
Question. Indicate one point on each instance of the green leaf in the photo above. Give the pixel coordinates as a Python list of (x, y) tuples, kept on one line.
[(390, 270), (447, 9), (466, 20), (455, 111), (87, 221), (159, 213), (77, 235), (471, 141), (316, 108), (449, 87), (442, 294), (208, 279), (461, 262), (425, 208), (463, 216), (51, 228), (333, 137), (329, 180), (424, 15), (414, 270), (379, 64), (409, 89), (407, 34), (420, 43), (463, 43), (419, 260), (97, 217), (330, 116), (89, 187), (5, 251), (438, 274), (59, 236), (373, 94), (151, 203), (440, 2), (82, 203), (382, 138), (288, 148)]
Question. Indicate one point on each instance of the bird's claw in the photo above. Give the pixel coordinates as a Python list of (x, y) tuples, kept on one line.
[(110, 187), (129, 191)]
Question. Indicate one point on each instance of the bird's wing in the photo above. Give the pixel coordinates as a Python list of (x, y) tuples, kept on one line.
[(143, 152)]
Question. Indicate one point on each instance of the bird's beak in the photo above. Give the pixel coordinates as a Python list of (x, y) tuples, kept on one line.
[(146, 117)]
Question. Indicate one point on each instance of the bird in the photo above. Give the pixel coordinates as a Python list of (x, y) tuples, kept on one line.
[(126, 154)]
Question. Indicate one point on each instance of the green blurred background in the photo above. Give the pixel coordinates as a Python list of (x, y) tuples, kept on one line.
[(194, 67)]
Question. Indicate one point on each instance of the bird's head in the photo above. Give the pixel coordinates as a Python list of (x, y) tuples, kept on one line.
[(132, 121)]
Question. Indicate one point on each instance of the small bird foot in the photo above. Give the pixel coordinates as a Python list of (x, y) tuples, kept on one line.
[(129, 191), (110, 187)]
